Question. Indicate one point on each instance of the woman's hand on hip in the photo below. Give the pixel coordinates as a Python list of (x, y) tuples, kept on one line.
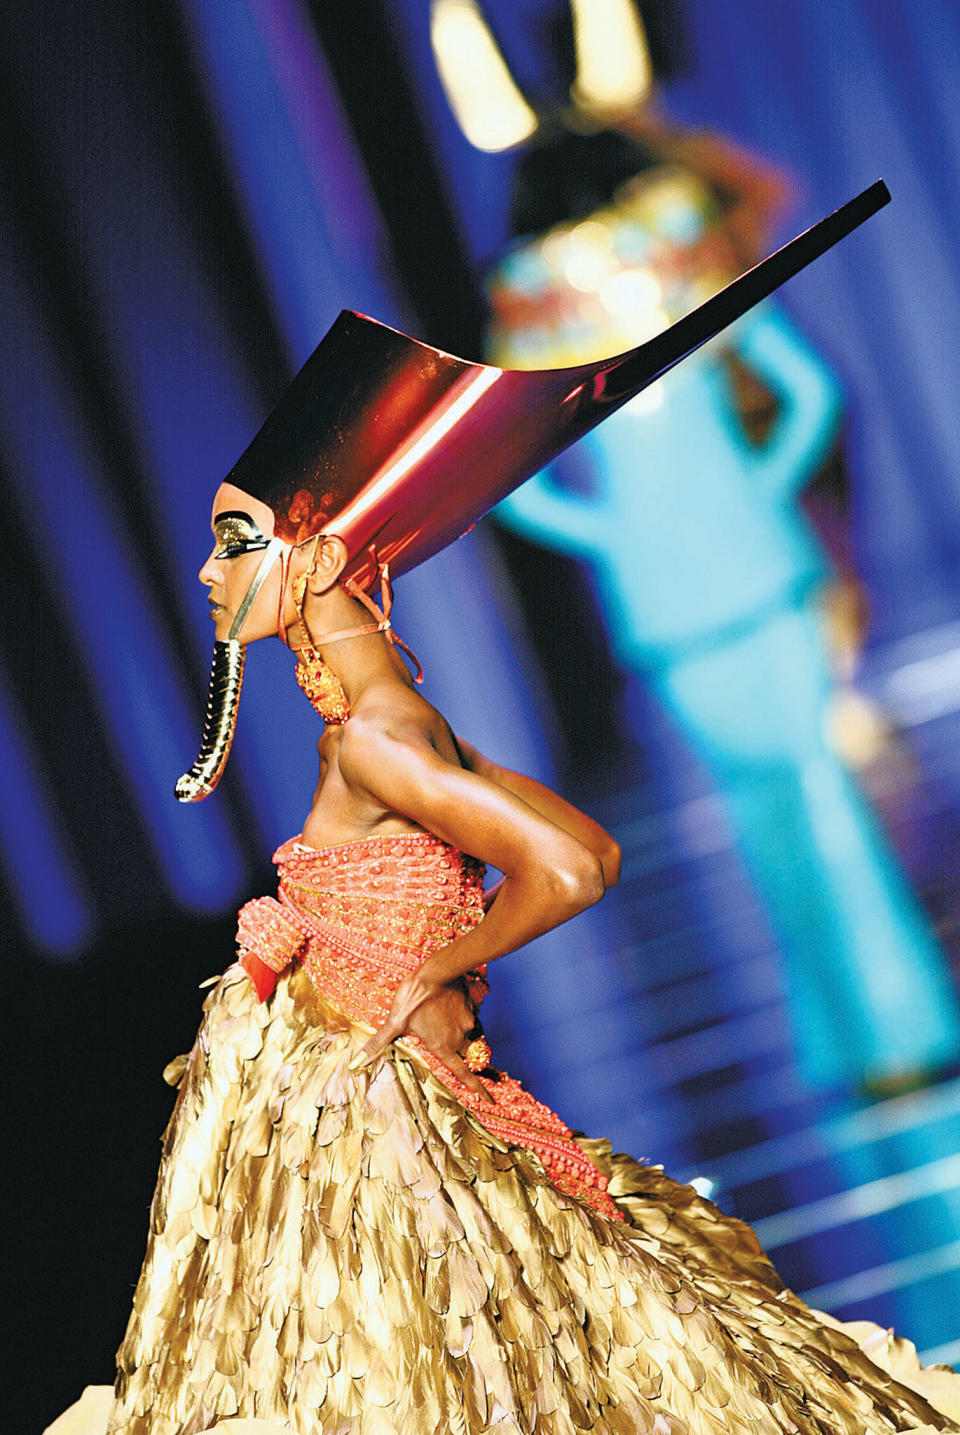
[(440, 1016)]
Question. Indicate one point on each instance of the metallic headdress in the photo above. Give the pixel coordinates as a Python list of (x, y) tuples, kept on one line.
[(613, 64), (398, 448)]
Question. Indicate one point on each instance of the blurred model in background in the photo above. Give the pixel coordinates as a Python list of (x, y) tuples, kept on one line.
[(712, 579)]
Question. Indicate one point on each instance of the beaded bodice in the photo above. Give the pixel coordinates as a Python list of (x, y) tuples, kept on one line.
[(407, 888), (378, 908), (361, 916)]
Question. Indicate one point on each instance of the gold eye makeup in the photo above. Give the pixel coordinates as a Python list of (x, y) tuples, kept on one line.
[(237, 533)]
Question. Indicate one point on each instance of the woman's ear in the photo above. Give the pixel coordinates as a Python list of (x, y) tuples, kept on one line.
[(329, 562)]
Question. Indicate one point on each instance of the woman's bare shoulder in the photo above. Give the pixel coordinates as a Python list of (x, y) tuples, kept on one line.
[(386, 727)]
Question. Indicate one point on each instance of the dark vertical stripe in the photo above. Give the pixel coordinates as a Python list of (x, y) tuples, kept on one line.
[(377, 94)]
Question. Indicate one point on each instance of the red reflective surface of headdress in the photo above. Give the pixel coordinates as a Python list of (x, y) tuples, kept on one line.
[(398, 447)]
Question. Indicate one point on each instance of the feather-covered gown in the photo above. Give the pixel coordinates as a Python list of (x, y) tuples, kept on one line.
[(370, 1250)]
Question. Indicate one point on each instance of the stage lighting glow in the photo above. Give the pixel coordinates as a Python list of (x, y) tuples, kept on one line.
[(631, 294), (53, 905), (587, 270), (108, 610), (591, 234), (487, 104), (925, 683), (651, 399)]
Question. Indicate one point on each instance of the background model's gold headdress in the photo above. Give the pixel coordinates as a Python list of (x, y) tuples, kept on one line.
[(614, 71), (398, 448)]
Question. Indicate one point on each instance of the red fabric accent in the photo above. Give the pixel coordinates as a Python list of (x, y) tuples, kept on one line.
[(267, 941), (264, 980)]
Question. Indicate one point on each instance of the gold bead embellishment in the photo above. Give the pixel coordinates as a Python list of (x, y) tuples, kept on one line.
[(318, 681), (478, 1055)]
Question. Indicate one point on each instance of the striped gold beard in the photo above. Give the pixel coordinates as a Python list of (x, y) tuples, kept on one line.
[(219, 724), (223, 694)]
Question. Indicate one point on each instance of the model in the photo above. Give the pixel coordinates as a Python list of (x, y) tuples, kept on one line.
[(710, 578), (360, 1225)]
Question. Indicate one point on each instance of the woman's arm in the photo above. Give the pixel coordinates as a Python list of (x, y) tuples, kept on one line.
[(549, 874), (756, 191), (546, 513), (550, 805)]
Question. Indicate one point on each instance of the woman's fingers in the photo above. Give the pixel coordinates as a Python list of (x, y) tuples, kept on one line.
[(410, 995), (371, 1049), (461, 1070), (393, 1028), (442, 1019)]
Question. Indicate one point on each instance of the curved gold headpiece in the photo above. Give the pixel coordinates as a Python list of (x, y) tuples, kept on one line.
[(613, 68), (398, 448)]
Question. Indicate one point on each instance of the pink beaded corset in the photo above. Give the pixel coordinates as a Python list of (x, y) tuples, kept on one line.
[(406, 888), (360, 917), (380, 906)]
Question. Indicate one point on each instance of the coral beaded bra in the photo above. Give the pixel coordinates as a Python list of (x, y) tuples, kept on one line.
[(361, 916)]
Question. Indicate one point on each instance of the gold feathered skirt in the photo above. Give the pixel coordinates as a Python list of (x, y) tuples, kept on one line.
[(350, 1252)]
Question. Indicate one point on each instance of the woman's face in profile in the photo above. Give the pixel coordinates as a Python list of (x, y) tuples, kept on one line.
[(242, 527)]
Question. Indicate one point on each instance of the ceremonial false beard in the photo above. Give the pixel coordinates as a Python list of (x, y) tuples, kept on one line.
[(219, 724)]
